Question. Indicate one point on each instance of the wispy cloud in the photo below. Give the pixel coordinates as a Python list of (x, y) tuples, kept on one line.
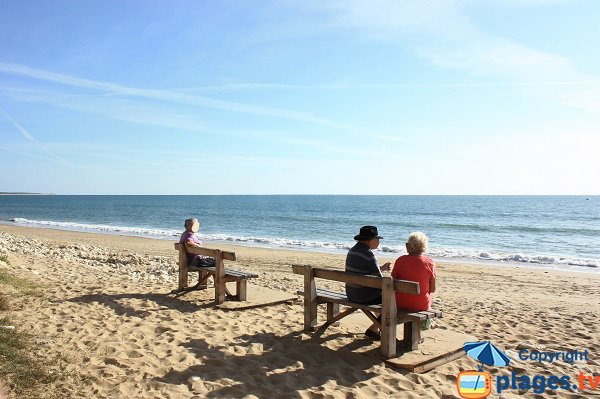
[(167, 96), (183, 120), (25, 133), (380, 86), (442, 32)]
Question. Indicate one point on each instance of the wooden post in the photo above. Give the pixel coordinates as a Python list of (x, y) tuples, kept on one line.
[(333, 309), (241, 290), (219, 278), (310, 299), (412, 335), (388, 318), (183, 268)]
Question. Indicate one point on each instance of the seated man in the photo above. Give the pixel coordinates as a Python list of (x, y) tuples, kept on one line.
[(361, 260)]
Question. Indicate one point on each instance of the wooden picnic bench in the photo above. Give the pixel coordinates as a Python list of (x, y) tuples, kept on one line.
[(390, 315), (219, 273)]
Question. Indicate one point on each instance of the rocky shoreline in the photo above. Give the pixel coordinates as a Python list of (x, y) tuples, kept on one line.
[(138, 267)]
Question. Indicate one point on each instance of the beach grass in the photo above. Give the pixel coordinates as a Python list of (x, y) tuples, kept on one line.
[(21, 285), (24, 373), (4, 258), (4, 303)]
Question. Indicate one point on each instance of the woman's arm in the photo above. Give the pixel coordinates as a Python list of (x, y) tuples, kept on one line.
[(432, 285), (191, 243)]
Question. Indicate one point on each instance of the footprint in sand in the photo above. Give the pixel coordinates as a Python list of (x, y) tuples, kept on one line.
[(134, 354), (162, 329)]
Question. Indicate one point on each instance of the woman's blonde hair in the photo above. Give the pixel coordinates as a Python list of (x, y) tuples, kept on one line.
[(418, 242)]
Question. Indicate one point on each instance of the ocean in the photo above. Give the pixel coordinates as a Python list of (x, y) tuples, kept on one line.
[(549, 231)]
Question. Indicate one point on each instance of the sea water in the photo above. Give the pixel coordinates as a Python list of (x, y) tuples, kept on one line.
[(558, 231)]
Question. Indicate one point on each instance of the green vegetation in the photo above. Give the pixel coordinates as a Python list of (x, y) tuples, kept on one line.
[(22, 371), (23, 286), (4, 258), (4, 304)]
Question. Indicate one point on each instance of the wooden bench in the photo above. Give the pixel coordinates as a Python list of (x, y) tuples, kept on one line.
[(219, 273), (390, 315)]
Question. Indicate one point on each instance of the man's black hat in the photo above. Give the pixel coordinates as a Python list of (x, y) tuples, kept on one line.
[(367, 233)]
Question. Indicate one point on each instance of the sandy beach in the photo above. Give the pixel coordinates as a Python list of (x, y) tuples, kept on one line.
[(108, 309)]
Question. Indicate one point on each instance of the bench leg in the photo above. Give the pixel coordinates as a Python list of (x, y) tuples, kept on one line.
[(310, 300), (241, 290), (183, 277), (412, 335), (389, 315), (333, 309)]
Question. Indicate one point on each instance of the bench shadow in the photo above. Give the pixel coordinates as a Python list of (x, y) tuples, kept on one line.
[(265, 361), (168, 300)]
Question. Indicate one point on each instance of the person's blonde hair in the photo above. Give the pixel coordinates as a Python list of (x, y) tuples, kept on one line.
[(418, 242), (189, 222)]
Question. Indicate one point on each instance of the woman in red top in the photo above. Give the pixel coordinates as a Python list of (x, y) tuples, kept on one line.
[(415, 267)]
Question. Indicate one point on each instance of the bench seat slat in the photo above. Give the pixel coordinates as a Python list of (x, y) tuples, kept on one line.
[(333, 294), (228, 272)]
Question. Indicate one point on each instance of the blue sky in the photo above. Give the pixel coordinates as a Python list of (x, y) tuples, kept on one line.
[(309, 97)]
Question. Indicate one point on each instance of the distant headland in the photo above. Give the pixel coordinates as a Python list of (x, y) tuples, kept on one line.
[(23, 193)]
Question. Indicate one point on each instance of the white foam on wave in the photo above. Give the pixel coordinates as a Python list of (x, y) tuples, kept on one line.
[(502, 257), (315, 245), (277, 242), (105, 228)]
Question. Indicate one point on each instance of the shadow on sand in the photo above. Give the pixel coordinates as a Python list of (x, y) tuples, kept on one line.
[(258, 363), (169, 300)]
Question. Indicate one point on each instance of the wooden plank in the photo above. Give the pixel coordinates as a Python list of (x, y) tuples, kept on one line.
[(388, 318), (228, 272), (237, 273), (345, 277), (440, 346), (208, 252), (298, 269), (431, 314), (457, 354), (333, 294), (408, 317), (407, 287), (404, 316)]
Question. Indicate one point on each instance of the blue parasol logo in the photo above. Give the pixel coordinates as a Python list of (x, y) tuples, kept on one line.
[(486, 353)]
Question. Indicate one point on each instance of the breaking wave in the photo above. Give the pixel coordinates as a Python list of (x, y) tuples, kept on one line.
[(440, 253)]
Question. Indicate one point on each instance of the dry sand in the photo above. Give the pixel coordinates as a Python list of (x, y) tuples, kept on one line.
[(109, 311)]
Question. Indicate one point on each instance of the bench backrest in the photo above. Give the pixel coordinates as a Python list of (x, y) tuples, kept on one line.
[(215, 253), (404, 286)]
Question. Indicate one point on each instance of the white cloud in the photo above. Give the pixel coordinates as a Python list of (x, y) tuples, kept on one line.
[(442, 32), (167, 96), (25, 133)]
